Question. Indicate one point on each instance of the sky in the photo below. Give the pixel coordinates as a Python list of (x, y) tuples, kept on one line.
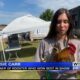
[(12, 9)]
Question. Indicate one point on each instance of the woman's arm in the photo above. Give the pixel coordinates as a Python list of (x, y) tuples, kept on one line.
[(38, 56), (71, 72)]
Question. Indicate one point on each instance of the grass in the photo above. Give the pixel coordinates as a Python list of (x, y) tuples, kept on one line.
[(26, 54), (27, 74), (28, 51)]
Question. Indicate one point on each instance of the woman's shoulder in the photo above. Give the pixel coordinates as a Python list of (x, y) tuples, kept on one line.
[(45, 40), (75, 41)]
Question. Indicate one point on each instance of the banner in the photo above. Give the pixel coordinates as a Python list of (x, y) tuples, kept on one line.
[(36, 66)]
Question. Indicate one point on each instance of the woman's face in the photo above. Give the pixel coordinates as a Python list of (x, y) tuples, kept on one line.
[(62, 24)]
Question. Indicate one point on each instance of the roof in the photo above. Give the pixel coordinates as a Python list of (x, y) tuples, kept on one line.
[(23, 24)]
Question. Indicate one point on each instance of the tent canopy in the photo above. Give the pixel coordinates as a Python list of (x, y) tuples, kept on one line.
[(24, 24)]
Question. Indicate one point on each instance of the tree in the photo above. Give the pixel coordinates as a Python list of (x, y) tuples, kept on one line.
[(47, 15)]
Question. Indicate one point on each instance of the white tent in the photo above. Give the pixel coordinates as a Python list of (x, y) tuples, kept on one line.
[(24, 24), (42, 31)]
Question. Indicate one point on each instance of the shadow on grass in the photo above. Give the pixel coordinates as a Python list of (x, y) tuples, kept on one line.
[(2, 56), (27, 52), (25, 44), (24, 53)]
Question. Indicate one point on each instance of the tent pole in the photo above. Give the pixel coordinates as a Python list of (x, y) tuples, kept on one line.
[(3, 48)]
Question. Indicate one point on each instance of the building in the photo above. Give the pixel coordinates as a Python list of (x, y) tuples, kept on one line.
[(75, 12)]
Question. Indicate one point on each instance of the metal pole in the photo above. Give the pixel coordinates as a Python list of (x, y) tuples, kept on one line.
[(3, 48)]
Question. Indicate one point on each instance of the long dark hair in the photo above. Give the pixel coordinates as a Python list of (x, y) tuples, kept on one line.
[(52, 31)]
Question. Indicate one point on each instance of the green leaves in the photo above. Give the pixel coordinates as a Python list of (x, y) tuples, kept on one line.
[(47, 15)]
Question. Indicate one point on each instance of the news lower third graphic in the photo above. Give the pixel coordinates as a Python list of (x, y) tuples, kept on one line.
[(76, 66), (39, 66)]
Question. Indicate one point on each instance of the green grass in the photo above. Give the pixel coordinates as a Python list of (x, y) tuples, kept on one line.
[(27, 74), (26, 54), (28, 51)]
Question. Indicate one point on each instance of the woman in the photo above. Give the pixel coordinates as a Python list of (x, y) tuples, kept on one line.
[(60, 34)]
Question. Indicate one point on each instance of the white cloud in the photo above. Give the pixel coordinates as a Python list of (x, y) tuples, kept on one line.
[(12, 14), (7, 17), (18, 14), (54, 4), (42, 4)]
